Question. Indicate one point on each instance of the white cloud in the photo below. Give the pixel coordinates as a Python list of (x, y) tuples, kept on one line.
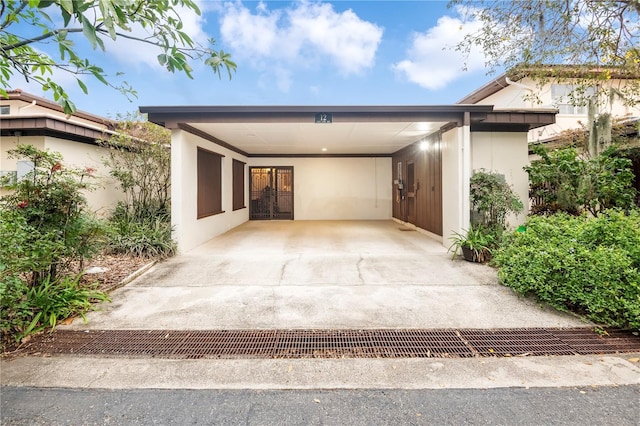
[(432, 61), (250, 35), (349, 41), (302, 35)]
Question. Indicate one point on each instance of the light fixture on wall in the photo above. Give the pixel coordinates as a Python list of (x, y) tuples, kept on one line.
[(324, 150), (424, 146)]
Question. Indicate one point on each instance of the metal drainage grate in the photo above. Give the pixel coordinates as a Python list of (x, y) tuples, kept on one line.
[(382, 343)]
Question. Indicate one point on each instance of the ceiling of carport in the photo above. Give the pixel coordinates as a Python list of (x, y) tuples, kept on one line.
[(353, 138), (353, 130)]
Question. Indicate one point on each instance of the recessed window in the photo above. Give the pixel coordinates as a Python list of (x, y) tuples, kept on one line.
[(209, 183), (5, 109), (570, 99), (238, 185)]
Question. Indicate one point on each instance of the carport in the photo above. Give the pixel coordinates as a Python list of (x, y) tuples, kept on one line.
[(231, 164)]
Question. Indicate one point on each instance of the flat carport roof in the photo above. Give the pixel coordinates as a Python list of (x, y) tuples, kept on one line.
[(352, 130)]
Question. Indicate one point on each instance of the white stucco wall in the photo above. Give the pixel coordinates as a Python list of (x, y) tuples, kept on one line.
[(338, 188), (507, 154), (75, 155), (189, 231), (451, 185), (8, 143), (81, 155)]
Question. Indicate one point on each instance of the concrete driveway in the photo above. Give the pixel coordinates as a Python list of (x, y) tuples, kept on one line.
[(319, 274)]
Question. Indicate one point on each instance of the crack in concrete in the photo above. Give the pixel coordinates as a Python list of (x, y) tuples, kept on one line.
[(284, 267), (359, 270)]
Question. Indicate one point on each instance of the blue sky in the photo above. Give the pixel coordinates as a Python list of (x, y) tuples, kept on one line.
[(301, 53)]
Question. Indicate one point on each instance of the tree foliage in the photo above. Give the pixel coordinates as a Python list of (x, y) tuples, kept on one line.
[(140, 160), (563, 181), (27, 25), (600, 40)]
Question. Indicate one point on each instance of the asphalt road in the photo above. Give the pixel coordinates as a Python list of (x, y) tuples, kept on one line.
[(618, 406)]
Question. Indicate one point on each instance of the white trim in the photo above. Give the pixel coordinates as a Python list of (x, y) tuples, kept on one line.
[(465, 176), (177, 182)]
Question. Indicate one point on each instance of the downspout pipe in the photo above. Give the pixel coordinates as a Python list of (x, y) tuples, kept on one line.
[(520, 85), (33, 103)]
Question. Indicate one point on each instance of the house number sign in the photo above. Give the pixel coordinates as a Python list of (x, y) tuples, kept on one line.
[(324, 117)]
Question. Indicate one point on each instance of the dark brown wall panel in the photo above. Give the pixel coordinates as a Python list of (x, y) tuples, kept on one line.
[(428, 189)]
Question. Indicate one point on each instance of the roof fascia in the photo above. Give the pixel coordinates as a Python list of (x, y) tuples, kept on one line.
[(51, 126), (485, 91), (172, 116), (28, 97)]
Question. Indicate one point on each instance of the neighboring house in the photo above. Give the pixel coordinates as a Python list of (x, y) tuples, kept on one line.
[(521, 91), (32, 120), (231, 164)]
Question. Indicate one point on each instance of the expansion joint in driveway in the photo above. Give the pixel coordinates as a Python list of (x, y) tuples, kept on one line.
[(367, 343)]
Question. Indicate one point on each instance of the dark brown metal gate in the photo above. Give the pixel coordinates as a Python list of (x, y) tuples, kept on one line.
[(271, 193)]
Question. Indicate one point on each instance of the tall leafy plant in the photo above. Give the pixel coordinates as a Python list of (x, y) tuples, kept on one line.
[(493, 198), (140, 160)]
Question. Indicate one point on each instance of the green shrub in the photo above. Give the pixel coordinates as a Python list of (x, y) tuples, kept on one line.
[(563, 181), (25, 310), (24, 249), (45, 236), (554, 181), (133, 234), (45, 225), (579, 263)]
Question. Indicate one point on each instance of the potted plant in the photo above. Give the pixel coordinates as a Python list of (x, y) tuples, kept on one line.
[(475, 244)]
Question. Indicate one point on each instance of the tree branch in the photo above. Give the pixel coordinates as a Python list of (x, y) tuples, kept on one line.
[(40, 38), (154, 43), (6, 22), (3, 7)]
